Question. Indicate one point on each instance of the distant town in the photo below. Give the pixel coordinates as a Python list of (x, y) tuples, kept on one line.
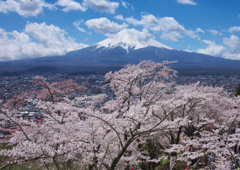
[(13, 85)]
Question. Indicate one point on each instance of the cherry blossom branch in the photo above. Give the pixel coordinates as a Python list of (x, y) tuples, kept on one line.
[(17, 162), (110, 127), (20, 127)]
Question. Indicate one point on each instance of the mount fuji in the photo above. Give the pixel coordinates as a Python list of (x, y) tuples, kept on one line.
[(130, 39), (129, 46)]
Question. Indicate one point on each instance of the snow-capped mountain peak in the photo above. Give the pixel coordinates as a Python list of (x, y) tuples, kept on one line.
[(130, 39)]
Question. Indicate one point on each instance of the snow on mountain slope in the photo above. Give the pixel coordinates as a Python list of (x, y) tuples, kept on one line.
[(130, 39)]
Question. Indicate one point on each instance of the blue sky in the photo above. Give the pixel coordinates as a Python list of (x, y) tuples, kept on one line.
[(38, 28)]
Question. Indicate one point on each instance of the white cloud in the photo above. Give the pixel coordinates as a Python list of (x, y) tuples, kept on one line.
[(233, 43), (233, 29), (102, 5), (168, 25), (25, 8), (213, 49), (220, 51), (134, 21), (188, 50), (188, 2), (77, 23), (200, 30), (232, 56), (191, 34), (105, 26), (171, 36), (143, 35), (157, 24), (126, 4), (71, 5), (37, 40), (119, 17), (214, 32)]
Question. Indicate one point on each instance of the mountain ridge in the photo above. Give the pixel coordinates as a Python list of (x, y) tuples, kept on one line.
[(126, 48)]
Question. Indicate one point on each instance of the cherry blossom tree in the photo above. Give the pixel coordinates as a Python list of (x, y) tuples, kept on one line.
[(41, 141), (111, 133), (208, 126)]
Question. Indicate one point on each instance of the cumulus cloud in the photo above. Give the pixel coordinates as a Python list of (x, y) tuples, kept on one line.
[(71, 5), (214, 32), (200, 30), (168, 25), (102, 5), (188, 2), (77, 23), (191, 34), (104, 26), (37, 40), (233, 43), (25, 8), (119, 17), (213, 49), (171, 36), (232, 56), (233, 29), (134, 21)]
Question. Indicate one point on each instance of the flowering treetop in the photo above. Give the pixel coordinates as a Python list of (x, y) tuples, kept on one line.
[(148, 106)]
